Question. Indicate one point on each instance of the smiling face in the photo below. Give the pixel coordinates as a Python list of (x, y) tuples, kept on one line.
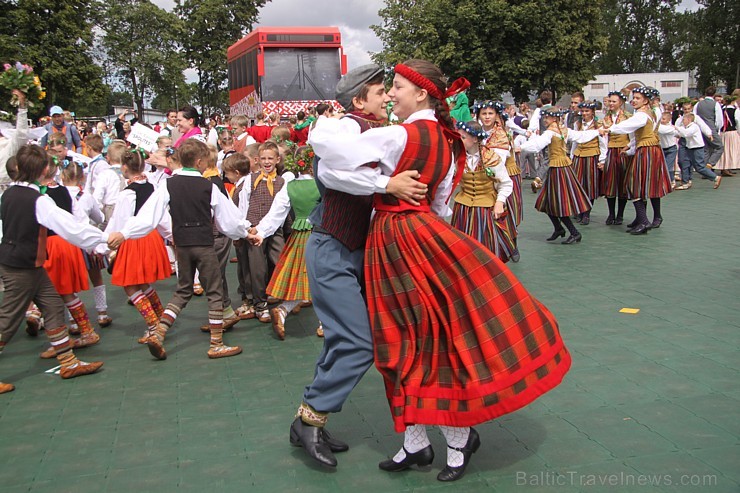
[(375, 103), (615, 102), (184, 125), (587, 113), (407, 97), (268, 160), (638, 100)]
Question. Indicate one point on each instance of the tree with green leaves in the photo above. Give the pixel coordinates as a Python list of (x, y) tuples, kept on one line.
[(499, 46), (643, 36), (212, 26), (55, 39), (141, 42)]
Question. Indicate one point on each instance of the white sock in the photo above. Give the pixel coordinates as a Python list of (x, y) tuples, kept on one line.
[(101, 301), (414, 439), (289, 305), (458, 438), (196, 278)]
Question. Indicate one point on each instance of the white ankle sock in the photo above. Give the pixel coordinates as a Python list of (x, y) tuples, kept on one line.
[(458, 438), (414, 439)]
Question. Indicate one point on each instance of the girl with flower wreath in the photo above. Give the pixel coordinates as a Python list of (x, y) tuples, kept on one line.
[(289, 281), (480, 205)]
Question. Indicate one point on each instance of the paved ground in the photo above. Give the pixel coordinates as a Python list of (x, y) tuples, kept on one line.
[(652, 397)]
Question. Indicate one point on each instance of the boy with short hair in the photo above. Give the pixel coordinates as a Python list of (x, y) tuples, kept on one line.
[(691, 152), (193, 203), (242, 138)]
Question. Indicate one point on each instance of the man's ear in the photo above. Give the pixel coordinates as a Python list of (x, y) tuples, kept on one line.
[(358, 103)]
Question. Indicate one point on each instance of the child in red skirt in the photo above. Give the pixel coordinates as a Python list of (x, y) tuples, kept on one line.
[(480, 205), (65, 263), (139, 262), (289, 282), (457, 338)]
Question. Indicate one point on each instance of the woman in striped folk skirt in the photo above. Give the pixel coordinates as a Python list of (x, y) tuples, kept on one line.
[(647, 176), (479, 208), (458, 340), (562, 195), (588, 158), (614, 177), (514, 200), (289, 281)]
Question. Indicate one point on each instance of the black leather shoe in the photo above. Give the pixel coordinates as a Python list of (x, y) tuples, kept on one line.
[(450, 473), (586, 220), (576, 238), (632, 224), (334, 444), (618, 221), (558, 233), (312, 440), (640, 229), (609, 220), (657, 222), (422, 458)]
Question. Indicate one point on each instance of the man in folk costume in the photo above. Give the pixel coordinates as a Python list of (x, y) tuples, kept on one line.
[(334, 260), (710, 111)]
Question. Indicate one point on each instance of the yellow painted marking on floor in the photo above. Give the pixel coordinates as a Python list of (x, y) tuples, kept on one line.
[(631, 311)]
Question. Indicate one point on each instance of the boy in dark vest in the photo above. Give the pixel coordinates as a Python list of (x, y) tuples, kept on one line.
[(334, 261), (257, 199), (191, 200), (26, 215)]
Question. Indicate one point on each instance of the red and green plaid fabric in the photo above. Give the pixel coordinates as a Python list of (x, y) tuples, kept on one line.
[(290, 281)]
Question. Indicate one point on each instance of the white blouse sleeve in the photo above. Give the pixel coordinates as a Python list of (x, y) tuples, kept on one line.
[(79, 233), (149, 216), (581, 136), (538, 142), (630, 125), (504, 185), (227, 216)]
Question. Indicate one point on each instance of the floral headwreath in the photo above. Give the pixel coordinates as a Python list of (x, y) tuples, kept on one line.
[(588, 104), (496, 105), (300, 160), (645, 91), (552, 112), (466, 126), (619, 94)]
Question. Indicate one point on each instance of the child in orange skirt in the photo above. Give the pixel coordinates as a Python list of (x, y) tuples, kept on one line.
[(139, 262), (64, 263)]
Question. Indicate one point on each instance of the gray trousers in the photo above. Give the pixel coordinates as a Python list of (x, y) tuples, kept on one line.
[(713, 148), (21, 287), (262, 261), (335, 276), (204, 259), (222, 245), (528, 163), (242, 272)]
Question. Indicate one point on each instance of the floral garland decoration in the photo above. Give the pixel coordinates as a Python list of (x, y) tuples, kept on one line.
[(299, 161)]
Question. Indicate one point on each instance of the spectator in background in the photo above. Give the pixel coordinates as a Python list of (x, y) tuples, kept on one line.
[(710, 111), (58, 125), (118, 124), (261, 130), (170, 127)]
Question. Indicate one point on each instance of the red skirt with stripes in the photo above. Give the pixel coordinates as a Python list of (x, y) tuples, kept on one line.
[(647, 176), (479, 223), (614, 177), (65, 266), (562, 194), (141, 261), (457, 338), (514, 201), (289, 281), (589, 175)]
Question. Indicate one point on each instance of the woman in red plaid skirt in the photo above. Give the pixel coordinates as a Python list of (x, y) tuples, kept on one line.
[(457, 338)]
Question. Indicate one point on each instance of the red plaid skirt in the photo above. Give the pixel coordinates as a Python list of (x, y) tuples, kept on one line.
[(457, 338)]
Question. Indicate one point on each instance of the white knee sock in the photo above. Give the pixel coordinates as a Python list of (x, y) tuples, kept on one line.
[(101, 300), (457, 438), (289, 305), (414, 439)]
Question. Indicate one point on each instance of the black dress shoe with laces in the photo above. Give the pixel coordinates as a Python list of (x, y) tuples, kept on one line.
[(422, 458), (558, 233), (576, 238), (312, 440), (450, 473)]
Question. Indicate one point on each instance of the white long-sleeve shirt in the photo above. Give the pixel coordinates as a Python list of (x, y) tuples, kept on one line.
[(511, 125), (667, 135), (692, 134), (79, 233), (103, 182), (344, 155), (227, 216), (278, 211), (84, 206), (534, 122), (503, 184), (157, 177), (536, 143)]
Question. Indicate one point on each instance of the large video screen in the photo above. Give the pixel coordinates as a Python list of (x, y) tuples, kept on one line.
[(300, 74)]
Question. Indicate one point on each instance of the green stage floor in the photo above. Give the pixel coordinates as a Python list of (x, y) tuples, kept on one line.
[(651, 402)]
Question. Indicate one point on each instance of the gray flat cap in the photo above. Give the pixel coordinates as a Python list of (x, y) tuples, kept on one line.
[(352, 82)]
